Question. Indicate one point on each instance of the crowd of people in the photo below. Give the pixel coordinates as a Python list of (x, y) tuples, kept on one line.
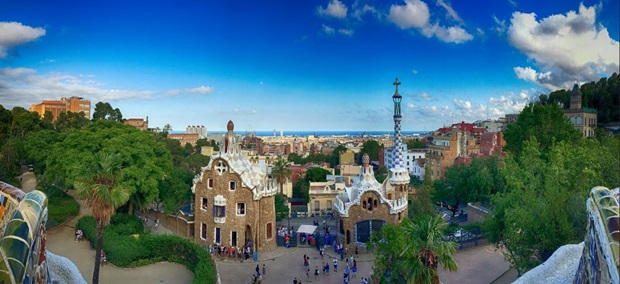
[(232, 252)]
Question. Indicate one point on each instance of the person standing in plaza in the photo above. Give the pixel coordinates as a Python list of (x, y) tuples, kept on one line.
[(264, 271), (335, 265), (316, 273)]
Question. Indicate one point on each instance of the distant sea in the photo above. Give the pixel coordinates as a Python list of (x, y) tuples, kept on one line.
[(323, 133)]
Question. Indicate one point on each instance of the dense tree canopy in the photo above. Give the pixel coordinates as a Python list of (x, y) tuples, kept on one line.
[(543, 204), (145, 161), (545, 122)]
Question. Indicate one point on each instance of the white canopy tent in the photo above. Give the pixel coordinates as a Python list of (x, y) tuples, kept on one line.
[(306, 229)]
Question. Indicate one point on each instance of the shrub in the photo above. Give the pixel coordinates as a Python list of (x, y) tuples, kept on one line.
[(60, 206), (88, 227), (126, 249)]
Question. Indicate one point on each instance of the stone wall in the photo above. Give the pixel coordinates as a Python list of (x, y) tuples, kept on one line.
[(249, 226)]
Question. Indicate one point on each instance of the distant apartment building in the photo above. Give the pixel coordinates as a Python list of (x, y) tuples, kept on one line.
[(410, 155), (195, 129), (491, 143), (460, 141), (276, 149), (184, 138), (56, 107), (491, 125), (323, 194), (418, 168), (583, 119), (253, 142), (142, 124)]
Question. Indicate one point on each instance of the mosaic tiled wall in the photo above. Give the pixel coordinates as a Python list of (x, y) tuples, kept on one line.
[(22, 236), (600, 260)]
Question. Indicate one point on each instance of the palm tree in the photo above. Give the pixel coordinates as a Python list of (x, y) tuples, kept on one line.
[(99, 183), (426, 235), (281, 173)]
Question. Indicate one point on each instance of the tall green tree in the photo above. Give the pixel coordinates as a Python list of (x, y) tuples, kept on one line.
[(67, 121), (281, 172), (372, 148), (413, 251), (105, 111), (99, 182), (545, 122), (23, 122)]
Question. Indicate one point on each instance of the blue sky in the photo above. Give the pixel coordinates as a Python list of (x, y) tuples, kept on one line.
[(304, 65)]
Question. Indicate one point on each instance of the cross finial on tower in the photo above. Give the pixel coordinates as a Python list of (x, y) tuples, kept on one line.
[(396, 83)]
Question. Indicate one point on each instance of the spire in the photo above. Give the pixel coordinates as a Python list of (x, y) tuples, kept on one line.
[(398, 172), (229, 140)]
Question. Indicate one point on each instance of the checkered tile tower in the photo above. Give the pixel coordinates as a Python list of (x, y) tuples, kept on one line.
[(398, 172)]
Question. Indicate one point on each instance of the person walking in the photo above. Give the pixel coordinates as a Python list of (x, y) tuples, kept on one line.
[(264, 271), (335, 265), (316, 273)]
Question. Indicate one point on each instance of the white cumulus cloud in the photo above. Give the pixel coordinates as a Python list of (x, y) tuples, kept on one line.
[(13, 34), (564, 47), (415, 14), (197, 90), (334, 9)]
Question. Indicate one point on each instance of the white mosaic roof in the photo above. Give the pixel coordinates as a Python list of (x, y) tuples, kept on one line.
[(251, 176), (366, 182)]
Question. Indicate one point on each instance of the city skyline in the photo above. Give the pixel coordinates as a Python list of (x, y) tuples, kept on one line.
[(314, 65)]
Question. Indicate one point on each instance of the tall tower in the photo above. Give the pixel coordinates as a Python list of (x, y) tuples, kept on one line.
[(398, 172)]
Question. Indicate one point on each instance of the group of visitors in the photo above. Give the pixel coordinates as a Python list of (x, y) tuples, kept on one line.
[(258, 277), (231, 252)]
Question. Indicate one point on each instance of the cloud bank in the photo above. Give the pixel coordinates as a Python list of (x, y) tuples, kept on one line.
[(13, 34), (565, 48)]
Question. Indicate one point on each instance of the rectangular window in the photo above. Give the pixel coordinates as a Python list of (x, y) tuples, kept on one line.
[(317, 206), (210, 183), (205, 203), (203, 231), (240, 209), (232, 185), (329, 205), (219, 211), (269, 230)]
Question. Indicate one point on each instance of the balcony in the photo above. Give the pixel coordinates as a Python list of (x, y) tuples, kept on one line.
[(219, 220)]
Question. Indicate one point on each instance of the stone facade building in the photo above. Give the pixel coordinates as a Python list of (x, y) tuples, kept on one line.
[(234, 201), (368, 205), (583, 119)]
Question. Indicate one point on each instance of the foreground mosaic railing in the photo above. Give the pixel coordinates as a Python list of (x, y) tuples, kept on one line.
[(600, 260), (22, 236)]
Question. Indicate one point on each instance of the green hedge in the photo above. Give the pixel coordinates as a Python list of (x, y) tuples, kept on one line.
[(126, 247), (60, 206)]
